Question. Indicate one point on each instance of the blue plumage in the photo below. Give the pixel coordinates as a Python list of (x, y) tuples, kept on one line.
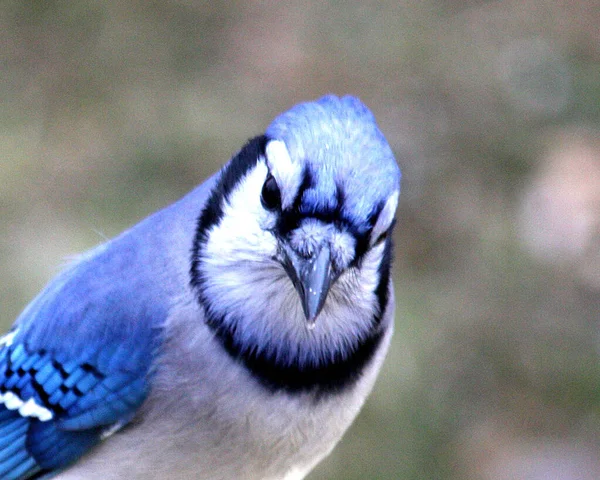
[(200, 321), (71, 401), (15, 460), (340, 142), (81, 352)]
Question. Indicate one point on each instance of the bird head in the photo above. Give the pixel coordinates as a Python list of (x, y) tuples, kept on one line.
[(295, 235)]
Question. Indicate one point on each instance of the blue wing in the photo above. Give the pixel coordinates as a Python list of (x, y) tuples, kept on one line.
[(77, 362)]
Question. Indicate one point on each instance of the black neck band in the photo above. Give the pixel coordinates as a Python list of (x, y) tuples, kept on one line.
[(341, 370)]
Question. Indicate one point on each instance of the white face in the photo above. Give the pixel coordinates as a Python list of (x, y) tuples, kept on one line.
[(248, 286), (287, 173)]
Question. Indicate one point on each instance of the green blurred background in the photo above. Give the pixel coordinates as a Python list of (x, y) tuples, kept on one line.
[(113, 109)]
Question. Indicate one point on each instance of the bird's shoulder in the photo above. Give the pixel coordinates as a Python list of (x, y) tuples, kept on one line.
[(78, 360), (74, 364)]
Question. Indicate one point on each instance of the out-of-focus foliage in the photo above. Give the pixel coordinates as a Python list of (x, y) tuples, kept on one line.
[(113, 109)]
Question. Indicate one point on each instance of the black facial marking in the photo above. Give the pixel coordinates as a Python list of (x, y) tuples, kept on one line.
[(328, 378), (343, 368), (290, 219), (340, 196), (385, 270), (308, 181), (363, 238), (375, 213), (212, 213)]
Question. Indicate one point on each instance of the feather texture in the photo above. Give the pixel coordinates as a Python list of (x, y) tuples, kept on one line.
[(181, 348)]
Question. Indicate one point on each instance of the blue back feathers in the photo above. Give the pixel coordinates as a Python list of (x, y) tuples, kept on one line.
[(79, 358)]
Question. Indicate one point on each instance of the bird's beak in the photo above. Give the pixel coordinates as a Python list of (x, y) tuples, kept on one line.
[(311, 277)]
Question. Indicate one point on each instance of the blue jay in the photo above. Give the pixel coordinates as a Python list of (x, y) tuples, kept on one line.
[(232, 335)]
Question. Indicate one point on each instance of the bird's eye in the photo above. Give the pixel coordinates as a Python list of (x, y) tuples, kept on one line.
[(270, 195), (382, 238)]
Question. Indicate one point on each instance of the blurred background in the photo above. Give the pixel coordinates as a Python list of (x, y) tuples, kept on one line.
[(113, 109)]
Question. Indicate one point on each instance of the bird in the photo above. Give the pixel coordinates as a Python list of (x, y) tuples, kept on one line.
[(234, 334)]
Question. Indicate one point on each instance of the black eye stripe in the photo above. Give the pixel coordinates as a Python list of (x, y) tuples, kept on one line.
[(375, 214), (307, 182), (213, 211)]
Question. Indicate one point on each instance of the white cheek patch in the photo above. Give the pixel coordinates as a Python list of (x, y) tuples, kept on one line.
[(26, 409), (248, 289), (243, 228), (240, 246), (385, 217), (287, 173)]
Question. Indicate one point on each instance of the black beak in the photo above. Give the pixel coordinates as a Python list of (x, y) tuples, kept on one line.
[(312, 278)]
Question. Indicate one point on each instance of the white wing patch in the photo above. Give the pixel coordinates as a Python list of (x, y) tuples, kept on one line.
[(12, 401), (7, 340), (26, 409)]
